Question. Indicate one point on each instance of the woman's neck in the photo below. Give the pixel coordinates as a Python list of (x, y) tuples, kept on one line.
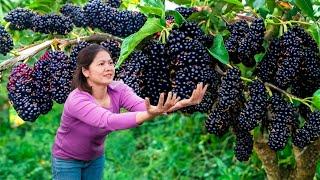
[(99, 92)]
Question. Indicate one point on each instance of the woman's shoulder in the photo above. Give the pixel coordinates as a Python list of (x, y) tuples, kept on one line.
[(78, 94), (118, 85)]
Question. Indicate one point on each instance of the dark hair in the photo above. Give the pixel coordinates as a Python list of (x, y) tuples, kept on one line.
[(84, 59)]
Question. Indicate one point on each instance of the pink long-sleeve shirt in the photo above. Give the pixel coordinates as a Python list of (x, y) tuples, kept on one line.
[(85, 124)]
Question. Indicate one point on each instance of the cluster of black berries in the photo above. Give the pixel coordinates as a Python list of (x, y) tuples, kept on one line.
[(75, 51), (75, 13), (229, 103), (52, 23), (21, 19), (114, 3), (267, 68), (184, 11), (292, 61), (309, 132), (244, 41), (177, 66), (191, 64), (6, 43), (283, 118), (110, 20), (61, 75), (114, 47), (255, 109), (244, 145), (22, 93), (31, 90), (130, 71)]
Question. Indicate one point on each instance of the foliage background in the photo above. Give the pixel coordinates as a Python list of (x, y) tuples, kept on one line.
[(171, 147)]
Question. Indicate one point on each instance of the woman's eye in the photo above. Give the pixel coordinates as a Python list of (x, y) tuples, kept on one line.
[(101, 64)]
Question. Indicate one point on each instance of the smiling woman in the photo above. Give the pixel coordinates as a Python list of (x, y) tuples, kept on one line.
[(92, 111)]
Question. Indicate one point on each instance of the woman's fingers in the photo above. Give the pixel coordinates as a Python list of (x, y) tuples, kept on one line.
[(161, 100), (168, 98), (177, 100), (147, 101)]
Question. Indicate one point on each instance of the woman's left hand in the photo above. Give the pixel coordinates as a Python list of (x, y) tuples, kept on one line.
[(196, 98)]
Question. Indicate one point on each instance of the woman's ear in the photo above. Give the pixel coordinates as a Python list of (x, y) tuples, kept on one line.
[(85, 72)]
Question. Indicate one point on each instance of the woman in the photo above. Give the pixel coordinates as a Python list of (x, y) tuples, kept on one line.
[(92, 111)]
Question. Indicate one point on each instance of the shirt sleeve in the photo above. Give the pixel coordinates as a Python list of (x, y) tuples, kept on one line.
[(82, 108), (130, 100)]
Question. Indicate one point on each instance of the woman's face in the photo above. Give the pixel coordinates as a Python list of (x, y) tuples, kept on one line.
[(101, 71)]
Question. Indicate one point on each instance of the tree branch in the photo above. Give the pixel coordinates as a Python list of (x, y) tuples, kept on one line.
[(306, 161), (32, 50), (268, 158), (25, 54)]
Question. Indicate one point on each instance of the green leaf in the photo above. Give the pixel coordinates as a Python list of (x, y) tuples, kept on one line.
[(179, 19), (316, 99), (258, 57), (151, 10), (236, 2), (258, 3), (151, 26), (218, 50), (155, 3), (315, 32), (306, 7), (182, 2)]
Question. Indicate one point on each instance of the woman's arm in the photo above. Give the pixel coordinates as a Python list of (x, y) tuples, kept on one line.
[(130, 100)]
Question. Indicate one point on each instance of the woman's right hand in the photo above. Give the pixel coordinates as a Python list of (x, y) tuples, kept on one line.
[(162, 107)]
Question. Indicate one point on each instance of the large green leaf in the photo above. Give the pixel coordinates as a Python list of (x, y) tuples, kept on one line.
[(148, 10), (315, 32), (154, 3), (179, 19), (151, 26), (218, 50), (306, 7), (316, 99)]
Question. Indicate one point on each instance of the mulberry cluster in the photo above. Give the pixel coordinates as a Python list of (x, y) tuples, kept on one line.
[(113, 47), (191, 64), (230, 101), (111, 20), (292, 62), (283, 117), (20, 19), (22, 93), (251, 44), (255, 109), (244, 145), (184, 11), (75, 13), (309, 132), (130, 71), (75, 51), (244, 41), (114, 3), (218, 122), (52, 23), (32, 90), (40, 75), (61, 75), (267, 68), (6, 43), (230, 89)]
